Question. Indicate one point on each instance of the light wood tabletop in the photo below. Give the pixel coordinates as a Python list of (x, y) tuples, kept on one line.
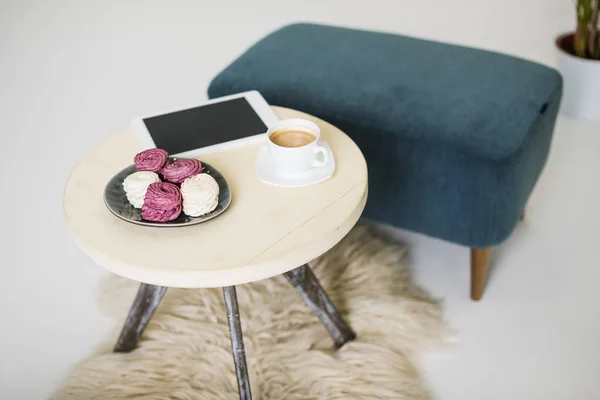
[(266, 231)]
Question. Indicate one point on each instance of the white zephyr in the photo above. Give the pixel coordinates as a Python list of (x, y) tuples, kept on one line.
[(200, 195), (136, 185)]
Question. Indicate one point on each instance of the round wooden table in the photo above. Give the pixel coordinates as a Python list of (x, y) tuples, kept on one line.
[(266, 231)]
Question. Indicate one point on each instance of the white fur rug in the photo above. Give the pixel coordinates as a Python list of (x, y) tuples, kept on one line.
[(185, 352)]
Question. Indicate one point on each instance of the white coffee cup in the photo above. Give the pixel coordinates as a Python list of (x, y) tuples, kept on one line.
[(293, 160)]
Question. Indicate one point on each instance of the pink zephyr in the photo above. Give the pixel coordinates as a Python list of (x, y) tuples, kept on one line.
[(180, 170), (151, 160), (162, 202)]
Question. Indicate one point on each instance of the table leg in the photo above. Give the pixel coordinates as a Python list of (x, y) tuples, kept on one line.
[(146, 301), (237, 342), (309, 288)]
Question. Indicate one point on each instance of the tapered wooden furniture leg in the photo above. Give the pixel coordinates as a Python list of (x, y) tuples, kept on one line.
[(146, 301), (480, 260), (309, 288), (522, 216), (237, 342)]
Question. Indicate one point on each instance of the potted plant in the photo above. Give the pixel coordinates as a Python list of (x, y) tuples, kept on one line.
[(579, 62)]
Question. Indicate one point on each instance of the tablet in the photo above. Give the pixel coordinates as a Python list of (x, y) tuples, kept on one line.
[(214, 125)]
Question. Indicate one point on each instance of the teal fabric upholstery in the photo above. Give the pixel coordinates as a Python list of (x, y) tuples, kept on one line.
[(455, 138)]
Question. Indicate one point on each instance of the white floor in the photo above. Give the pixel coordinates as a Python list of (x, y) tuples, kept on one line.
[(73, 73)]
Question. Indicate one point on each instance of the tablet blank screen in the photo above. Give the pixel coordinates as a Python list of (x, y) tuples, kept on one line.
[(204, 126)]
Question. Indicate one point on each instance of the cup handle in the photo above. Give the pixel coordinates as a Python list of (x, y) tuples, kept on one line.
[(323, 150)]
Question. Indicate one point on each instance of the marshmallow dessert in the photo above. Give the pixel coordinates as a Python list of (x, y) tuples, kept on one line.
[(200, 195), (180, 170), (162, 202), (136, 185), (151, 160)]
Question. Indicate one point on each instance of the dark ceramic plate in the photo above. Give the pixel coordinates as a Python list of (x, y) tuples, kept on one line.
[(117, 203)]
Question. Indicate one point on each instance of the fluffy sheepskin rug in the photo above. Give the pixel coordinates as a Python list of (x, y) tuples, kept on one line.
[(185, 351)]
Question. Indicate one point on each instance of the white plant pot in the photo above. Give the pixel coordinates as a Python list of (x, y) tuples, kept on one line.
[(581, 85)]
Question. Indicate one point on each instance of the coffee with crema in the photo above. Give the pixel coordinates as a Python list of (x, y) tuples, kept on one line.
[(292, 137)]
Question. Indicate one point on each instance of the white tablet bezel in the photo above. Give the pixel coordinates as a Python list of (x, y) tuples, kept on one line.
[(254, 98)]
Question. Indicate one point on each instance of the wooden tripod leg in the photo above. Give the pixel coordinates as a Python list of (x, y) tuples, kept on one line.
[(237, 342), (146, 301), (309, 288), (480, 261)]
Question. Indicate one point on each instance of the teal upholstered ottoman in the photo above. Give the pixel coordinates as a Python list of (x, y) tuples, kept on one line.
[(455, 138)]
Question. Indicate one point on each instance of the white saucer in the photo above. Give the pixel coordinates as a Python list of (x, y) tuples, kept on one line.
[(268, 173)]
